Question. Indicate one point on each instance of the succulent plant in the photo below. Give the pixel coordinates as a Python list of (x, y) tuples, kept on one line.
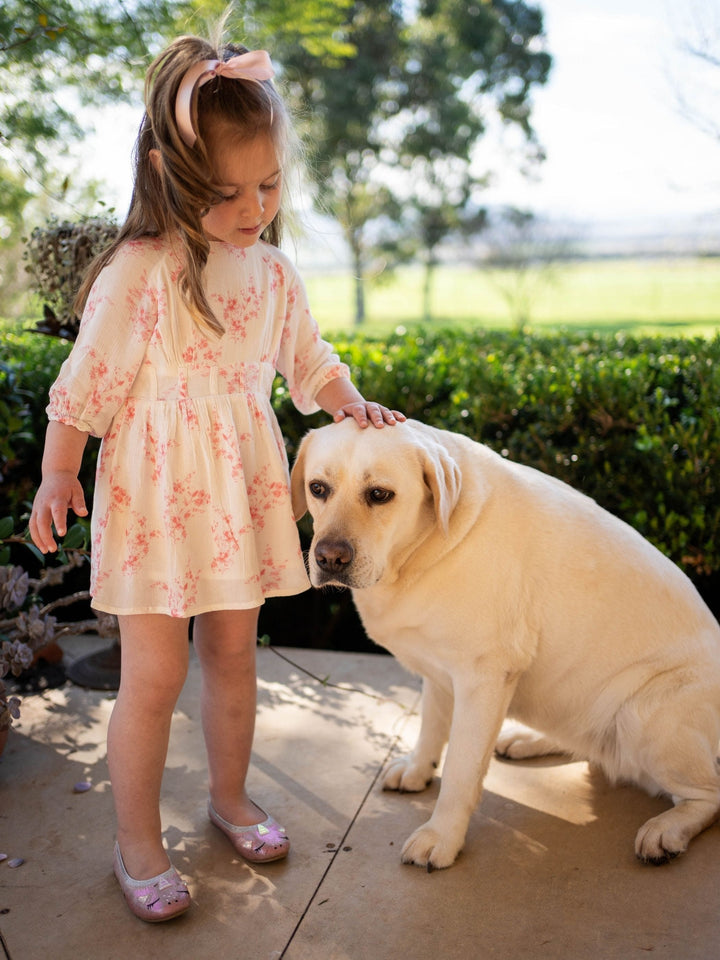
[(22, 633), (27, 623)]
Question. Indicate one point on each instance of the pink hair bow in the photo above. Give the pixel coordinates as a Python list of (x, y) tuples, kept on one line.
[(254, 65)]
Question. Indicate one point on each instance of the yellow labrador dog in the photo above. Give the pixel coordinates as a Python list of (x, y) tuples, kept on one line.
[(514, 595)]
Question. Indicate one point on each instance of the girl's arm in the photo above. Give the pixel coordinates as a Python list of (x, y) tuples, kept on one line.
[(341, 399), (60, 488)]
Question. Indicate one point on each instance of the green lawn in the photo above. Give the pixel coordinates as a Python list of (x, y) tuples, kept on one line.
[(674, 297)]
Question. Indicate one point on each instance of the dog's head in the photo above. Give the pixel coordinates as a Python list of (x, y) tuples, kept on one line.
[(374, 496)]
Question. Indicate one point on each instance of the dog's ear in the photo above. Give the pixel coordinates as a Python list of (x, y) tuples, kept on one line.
[(444, 478), (297, 480)]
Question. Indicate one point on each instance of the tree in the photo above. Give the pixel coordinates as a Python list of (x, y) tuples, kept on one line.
[(438, 202), (56, 57), (465, 62), (699, 82), (15, 197), (522, 255), (344, 102), (396, 124), (396, 96)]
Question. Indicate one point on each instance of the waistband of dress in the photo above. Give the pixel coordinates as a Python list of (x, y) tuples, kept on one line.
[(189, 383)]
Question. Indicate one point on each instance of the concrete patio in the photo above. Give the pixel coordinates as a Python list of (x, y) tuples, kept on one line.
[(548, 870)]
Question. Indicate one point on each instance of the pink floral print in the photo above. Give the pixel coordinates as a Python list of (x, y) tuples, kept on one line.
[(192, 508)]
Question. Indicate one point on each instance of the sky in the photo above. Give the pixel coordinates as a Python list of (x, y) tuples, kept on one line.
[(618, 145)]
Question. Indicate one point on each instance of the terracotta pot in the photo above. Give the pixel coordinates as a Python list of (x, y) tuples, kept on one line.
[(51, 653)]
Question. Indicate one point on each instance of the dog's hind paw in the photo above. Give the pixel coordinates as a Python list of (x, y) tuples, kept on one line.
[(522, 743), (667, 836), (661, 839), (407, 776), (429, 848)]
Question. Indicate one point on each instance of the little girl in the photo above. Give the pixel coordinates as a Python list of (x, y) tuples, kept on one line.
[(186, 319)]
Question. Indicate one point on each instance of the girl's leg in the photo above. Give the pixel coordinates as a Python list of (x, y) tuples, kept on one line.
[(154, 651), (225, 641)]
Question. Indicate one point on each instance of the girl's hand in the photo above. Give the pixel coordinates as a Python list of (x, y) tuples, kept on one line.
[(366, 411), (341, 399), (58, 492)]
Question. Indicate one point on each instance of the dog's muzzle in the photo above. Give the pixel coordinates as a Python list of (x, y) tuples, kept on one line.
[(333, 559)]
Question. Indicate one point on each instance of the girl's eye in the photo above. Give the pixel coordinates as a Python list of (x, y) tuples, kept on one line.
[(269, 187), (220, 200)]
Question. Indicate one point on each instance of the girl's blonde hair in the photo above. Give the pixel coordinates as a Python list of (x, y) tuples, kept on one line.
[(172, 197)]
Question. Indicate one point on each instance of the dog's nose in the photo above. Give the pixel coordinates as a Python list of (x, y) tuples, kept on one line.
[(333, 555)]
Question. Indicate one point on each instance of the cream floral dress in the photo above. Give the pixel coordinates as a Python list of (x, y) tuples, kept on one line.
[(191, 507)]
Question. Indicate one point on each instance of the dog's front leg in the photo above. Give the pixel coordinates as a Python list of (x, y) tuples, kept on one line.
[(480, 705), (415, 771)]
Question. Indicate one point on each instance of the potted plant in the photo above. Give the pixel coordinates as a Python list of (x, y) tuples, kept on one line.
[(28, 628), (23, 632)]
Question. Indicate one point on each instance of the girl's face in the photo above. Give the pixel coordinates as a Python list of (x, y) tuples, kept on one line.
[(249, 176)]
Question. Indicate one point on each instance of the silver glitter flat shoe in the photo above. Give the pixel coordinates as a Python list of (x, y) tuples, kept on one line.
[(258, 843), (159, 898)]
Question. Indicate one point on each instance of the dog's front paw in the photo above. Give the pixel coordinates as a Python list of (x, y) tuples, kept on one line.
[(407, 775), (431, 848)]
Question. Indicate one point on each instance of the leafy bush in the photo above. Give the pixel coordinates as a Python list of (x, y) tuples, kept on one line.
[(634, 423), (28, 365)]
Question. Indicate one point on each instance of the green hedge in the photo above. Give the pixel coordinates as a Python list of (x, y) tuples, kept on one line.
[(634, 423), (29, 363)]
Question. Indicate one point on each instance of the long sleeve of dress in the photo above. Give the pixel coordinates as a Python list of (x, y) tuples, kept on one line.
[(117, 323), (305, 360)]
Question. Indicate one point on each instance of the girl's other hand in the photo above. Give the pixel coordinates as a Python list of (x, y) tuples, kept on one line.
[(58, 492), (367, 411)]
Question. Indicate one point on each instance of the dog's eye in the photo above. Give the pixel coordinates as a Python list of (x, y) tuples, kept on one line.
[(379, 495), (317, 489)]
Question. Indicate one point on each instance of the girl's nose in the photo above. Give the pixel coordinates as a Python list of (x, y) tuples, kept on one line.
[(252, 204)]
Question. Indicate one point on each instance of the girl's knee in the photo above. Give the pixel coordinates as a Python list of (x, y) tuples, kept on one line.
[(155, 656), (153, 690), (226, 637)]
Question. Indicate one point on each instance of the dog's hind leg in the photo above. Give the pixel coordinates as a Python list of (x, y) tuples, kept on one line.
[(683, 765), (664, 837), (414, 772)]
